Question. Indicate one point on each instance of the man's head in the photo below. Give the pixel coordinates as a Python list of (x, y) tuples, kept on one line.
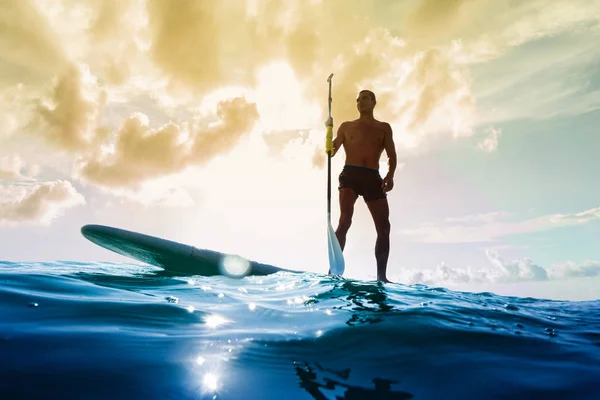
[(365, 102)]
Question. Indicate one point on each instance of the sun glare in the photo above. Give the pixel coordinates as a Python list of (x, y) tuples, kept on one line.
[(214, 321), (235, 266), (210, 382), (280, 100)]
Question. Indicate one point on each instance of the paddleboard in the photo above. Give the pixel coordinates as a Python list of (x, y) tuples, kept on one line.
[(175, 258)]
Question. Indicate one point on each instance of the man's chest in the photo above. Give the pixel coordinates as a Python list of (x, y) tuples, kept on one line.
[(365, 134)]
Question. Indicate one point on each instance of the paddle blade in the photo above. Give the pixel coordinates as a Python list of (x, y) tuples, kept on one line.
[(336, 258)]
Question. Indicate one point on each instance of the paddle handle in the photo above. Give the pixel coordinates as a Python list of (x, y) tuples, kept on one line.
[(329, 136)]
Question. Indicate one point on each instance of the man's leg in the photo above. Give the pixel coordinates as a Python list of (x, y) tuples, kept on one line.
[(380, 212), (347, 199)]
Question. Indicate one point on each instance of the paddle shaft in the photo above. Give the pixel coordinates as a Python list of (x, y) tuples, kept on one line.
[(336, 258), (329, 148), (329, 188)]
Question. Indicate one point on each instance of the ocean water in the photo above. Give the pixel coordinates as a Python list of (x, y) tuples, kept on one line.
[(122, 331)]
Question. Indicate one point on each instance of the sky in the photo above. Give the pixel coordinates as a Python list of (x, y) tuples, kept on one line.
[(204, 123)]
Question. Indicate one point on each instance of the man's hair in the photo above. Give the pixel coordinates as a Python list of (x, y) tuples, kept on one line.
[(370, 94)]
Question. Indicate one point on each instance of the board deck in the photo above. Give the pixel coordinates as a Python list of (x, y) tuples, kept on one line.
[(173, 257)]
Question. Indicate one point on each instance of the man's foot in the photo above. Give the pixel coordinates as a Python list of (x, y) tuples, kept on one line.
[(384, 280)]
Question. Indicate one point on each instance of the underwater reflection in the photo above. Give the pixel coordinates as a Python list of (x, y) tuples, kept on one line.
[(309, 381), (367, 302)]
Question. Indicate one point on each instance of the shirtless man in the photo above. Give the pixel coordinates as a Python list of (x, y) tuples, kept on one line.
[(364, 139)]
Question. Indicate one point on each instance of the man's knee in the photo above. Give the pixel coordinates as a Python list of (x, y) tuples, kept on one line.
[(383, 228)]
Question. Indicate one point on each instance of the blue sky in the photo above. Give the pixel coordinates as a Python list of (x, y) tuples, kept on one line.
[(131, 115)]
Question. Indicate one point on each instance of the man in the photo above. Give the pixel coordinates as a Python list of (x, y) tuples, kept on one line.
[(364, 140)]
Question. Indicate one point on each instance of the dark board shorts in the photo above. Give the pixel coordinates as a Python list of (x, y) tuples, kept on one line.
[(365, 182)]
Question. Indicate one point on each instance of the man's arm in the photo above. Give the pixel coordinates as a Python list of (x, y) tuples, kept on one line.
[(339, 139), (390, 150)]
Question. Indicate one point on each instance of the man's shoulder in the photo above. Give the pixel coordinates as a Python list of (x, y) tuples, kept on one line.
[(384, 125), (347, 124), (376, 123)]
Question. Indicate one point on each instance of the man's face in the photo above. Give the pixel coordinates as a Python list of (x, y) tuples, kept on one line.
[(364, 102)]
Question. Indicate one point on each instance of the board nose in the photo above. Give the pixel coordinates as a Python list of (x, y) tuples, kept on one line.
[(92, 231)]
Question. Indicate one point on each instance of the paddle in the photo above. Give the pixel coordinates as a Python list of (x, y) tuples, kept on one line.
[(336, 258)]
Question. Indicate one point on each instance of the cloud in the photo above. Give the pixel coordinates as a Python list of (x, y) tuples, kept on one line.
[(488, 228), (186, 41), (69, 117), (30, 51), (544, 79), (570, 269), (13, 103), (488, 29), (443, 90), (110, 20), (139, 153), (577, 218), (527, 60), (276, 141), (500, 271), (490, 143), (236, 117), (142, 153), (94, 56), (319, 158), (445, 274), (524, 269), (36, 203), (202, 47), (518, 270), (10, 168), (114, 44)]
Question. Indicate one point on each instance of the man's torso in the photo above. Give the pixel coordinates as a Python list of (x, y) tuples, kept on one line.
[(364, 143)]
